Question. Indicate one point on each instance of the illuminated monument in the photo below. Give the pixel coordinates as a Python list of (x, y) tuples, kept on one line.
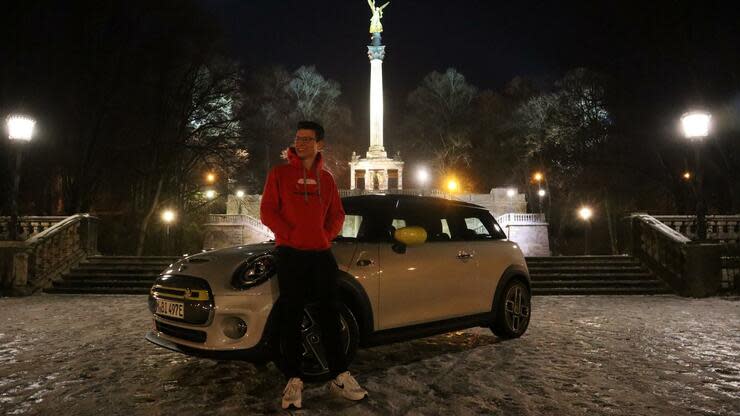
[(376, 171)]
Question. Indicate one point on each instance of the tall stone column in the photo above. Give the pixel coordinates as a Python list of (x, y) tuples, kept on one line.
[(376, 53)]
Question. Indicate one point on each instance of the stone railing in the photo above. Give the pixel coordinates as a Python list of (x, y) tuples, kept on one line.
[(719, 227), (420, 192), (253, 223), (520, 219), (27, 226), (33, 264), (690, 268)]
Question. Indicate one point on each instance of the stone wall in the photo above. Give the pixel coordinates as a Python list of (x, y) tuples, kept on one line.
[(532, 239), (497, 201)]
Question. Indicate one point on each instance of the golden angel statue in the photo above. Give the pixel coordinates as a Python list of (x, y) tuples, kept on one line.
[(375, 26)]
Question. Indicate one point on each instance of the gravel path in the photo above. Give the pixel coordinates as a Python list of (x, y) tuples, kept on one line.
[(632, 355)]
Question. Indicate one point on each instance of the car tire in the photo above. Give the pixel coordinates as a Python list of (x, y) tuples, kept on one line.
[(312, 367), (513, 311)]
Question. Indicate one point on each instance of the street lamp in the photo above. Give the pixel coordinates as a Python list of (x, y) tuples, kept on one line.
[(422, 175), (541, 194), (586, 213), (687, 175), (210, 177), (240, 194), (20, 131), (695, 126), (168, 217), (210, 194)]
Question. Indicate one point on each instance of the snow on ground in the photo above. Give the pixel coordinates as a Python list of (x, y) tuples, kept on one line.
[(632, 355)]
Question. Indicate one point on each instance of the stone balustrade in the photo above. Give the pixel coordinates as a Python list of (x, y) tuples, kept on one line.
[(419, 192), (520, 219), (27, 226), (225, 230), (719, 227), (691, 268), (33, 264)]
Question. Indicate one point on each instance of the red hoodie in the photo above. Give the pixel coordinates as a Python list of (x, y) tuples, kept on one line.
[(302, 206)]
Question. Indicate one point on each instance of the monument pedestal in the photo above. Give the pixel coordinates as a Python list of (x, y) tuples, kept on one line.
[(376, 172)]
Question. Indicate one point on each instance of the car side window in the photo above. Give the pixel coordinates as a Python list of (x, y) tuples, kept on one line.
[(351, 226), (471, 224), (428, 216)]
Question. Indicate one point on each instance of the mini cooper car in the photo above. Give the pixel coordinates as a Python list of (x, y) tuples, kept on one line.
[(410, 267)]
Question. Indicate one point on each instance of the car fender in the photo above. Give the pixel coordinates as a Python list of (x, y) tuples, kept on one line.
[(351, 293), (511, 272), (357, 300)]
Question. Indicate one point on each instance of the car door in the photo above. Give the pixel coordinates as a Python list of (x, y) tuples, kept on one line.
[(361, 231), (477, 234), (429, 282)]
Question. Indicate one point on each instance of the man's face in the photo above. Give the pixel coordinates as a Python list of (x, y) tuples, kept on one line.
[(306, 145)]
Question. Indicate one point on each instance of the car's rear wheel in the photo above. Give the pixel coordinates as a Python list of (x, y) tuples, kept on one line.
[(513, 310), (314, 365)]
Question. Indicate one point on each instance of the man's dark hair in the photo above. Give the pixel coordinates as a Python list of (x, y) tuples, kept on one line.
[(312, 125)]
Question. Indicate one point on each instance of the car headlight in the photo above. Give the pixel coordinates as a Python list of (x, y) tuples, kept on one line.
[(255, 271)]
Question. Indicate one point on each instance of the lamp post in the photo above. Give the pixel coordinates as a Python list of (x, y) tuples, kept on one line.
[(538, 177), (168, 217), (695, 128), (586, 213), (20, 131), (422, 176), (452, 186), (540, 194)]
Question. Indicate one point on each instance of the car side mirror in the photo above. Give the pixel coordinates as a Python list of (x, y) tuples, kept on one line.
[(410, 236)]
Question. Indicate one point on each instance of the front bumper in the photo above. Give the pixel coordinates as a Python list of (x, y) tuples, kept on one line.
[(259, 353), (207, 316)]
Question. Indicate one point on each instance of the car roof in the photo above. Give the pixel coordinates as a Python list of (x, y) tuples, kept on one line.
[(393, 199)]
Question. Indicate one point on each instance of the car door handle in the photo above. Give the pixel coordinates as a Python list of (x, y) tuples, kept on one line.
[(464, 255), (364, 262)]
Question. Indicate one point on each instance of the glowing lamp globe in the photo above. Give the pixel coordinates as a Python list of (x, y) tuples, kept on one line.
[(695, 124), (168, 216), (422, 175), (20, 128), (585, 213)]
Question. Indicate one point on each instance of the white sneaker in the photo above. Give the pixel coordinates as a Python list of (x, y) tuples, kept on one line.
[(346, 386), (292, 393)]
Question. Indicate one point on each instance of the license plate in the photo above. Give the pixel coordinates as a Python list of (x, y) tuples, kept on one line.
[(172, 309)]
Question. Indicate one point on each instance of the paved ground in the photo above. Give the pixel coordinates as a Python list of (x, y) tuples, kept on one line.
[(663, 355)]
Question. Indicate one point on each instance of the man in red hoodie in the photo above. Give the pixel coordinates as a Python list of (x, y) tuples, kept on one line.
[(301, 206)]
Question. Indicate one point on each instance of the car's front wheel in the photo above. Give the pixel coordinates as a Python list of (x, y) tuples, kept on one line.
[(314, 365), (513, 310)]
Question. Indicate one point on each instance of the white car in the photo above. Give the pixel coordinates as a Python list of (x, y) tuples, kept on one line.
[(410, 267)]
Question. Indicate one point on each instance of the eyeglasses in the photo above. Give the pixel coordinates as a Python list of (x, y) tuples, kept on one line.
[(304, 139)]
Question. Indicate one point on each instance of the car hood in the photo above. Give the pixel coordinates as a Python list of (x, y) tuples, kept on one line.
[(217, 266)]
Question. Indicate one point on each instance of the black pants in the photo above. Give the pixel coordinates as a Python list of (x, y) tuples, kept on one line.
[(309, 276)]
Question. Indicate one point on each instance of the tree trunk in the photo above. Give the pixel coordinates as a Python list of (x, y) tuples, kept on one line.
[(145, 221)]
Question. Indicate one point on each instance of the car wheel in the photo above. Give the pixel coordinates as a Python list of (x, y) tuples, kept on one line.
[(314, 366), (513, 311)]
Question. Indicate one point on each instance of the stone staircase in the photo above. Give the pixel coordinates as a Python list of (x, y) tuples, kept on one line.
[(112, 275), (593, 275), (562, 275)]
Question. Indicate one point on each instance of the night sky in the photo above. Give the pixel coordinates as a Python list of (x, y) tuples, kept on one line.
[(663, 56)]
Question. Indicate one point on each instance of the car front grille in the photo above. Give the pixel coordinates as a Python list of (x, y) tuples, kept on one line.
[(194, 293), (182, 333)]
